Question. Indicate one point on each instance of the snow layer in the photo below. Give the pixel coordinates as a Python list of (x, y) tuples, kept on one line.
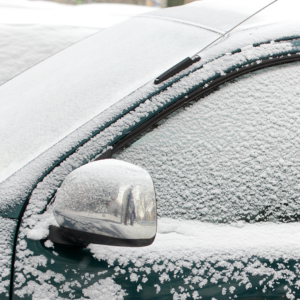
[(92, 15), (190, 256), (70, 88), (16, 193), (193, 241), (223, 274), (31, 31), (231, 156), (176, 48), (278, 21), (214, 15), (105, 289), (24, 46), (7, 234), (29, 176), (279, 12)]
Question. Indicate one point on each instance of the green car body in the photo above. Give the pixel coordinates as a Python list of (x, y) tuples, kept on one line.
[(35, 268)]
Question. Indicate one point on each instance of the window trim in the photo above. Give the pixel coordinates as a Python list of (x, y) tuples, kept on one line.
[(197, 94)]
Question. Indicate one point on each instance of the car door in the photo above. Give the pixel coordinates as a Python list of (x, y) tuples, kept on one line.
[(225, 168)]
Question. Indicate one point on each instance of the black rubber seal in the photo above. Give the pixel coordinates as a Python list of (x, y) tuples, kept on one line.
[(197, 93), (176, 69), (75, 238)]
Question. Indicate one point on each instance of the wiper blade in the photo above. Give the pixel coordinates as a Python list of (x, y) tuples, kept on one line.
[(176, 69)]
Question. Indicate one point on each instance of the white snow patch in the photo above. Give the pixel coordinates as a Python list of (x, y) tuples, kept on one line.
[(105, 289), (41, 227), (49, 244), (134, 277), (34, 30), (194, 241), (33, 43), (164, 277), (92, 15), (7, 230), (158, 288)]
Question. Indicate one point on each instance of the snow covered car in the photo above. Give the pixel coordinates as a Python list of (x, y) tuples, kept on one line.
[(218, 133)]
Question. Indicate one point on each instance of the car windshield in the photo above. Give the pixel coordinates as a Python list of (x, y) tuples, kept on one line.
[(52, 99)]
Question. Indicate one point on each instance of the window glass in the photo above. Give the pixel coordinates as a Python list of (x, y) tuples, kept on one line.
[(231, 156)]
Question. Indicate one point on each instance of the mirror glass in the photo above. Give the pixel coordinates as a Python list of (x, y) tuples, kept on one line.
[(110, 198)]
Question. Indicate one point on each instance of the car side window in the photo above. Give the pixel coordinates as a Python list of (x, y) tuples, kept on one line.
[(230, 156)]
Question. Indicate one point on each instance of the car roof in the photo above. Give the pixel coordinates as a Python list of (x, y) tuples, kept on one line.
[(214, 15)]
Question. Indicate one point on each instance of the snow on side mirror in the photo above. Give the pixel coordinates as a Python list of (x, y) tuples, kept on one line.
[(109, 202)]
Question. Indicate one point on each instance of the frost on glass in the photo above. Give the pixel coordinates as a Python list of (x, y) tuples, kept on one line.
[(108, 197), (231, 156)]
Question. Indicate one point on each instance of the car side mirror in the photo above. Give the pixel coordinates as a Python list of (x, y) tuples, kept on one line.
[(108, 202)]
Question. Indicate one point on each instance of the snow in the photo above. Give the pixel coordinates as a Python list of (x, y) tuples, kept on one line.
[(34, 30), (23, 46), (7, 233), (201, 247), (29, 175), (105, 289), (31, 31), (210, 253), (278, 21), (49, 244), (101, 65), (214, 15), (41, 228), (281, 12), (92, 15), (144, 30), (195, 241), (231, 156)]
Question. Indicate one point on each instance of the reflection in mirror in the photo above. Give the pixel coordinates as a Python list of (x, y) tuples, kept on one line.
[(110, 198)]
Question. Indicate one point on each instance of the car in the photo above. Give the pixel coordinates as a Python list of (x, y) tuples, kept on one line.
[(217, 132)]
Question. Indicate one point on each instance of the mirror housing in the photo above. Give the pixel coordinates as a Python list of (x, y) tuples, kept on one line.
[(108, 202)]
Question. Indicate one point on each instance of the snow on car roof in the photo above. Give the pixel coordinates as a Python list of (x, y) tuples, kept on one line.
[(96, 68), (49, 101), (35, 30), (278, 21), (215, 15), (91, 15)]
